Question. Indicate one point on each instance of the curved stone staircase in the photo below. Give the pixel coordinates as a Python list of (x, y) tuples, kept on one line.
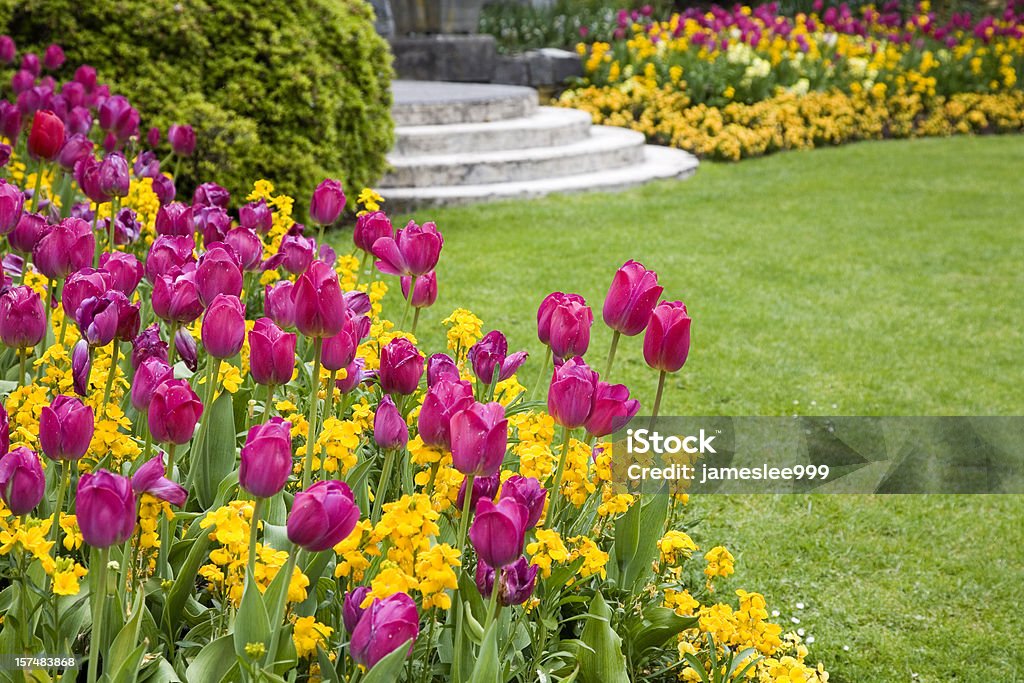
[(458, 143)]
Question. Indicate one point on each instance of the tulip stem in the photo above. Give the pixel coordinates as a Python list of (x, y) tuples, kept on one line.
[(382, 487), (279, 608), (172, 350), (329, 407), (114, 201), (111, 373), (314, 400), (254, 526), (38, 186), (99, 604), (556, 493), (408, 302), (415, 320), (543, 369), (96, 250), (268, 405), (467, 506), (492, 608), (21, 367), (657, 398), (50, 286), (611, 355), (65, 482)]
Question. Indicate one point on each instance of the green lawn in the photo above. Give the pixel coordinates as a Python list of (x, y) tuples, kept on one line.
[(878, 278)]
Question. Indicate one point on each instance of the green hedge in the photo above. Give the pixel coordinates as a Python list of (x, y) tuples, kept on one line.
[(292, 91)]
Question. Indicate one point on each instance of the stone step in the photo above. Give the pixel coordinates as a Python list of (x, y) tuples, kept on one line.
[(421, 103), (657, 163), (547, 127), (605, 148)]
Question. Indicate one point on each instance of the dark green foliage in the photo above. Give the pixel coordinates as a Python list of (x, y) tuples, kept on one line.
[(291, 91)]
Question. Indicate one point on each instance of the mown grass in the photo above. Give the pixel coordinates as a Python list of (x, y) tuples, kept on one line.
[(873, 279)]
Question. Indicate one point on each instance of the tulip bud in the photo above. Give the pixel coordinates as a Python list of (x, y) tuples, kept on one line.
[(150, 373), (114, 179), (327, 203), (53, 58), (164, 189), (271, 353), (153, 136), (479, 437), (174, 412), (401, 366), (124, 271), (498, 531), (278, 302), (26, 235), (185, 345), (150, 479), (87, 174), (148, 345), (65, 428), (22, 317), (444, 398), (256, 216), (490, 360), (530, 493), (224, 326), (46, 137), (266, 458), (371, 227), (383, 628), (441, 366), (295, 253), (211, 194), (22, 483), (65, 248), (355, 374), (175, 219), (319, 307), (21, 81), (667, 341), (612, 410), (414, 251), (81, 366), (322, 515), (105, 508), (247, 247), (8, 50), (547, 307), (570, 329), (74, 149), (182, 139), (177, 299), (572, 392), (389, 428), (425, 293), (483, 488), (351, 610), (79, 121), (212, 222), (10, 121), (340, 350), (12, 205)]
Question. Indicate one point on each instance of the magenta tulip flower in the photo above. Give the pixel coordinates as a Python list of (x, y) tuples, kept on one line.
[(26, 234), (278, 302), (174, 412), (124, 271), (322, 515), (74, 149), (517, 581), (389, 428), (340, 350), (483, 488), (424, 294), (530, 493), (498, 531), (175, 219), (224, 326), (384, 627), (490, 360), (87, 174), (266, 458), (667, 341), (164, 189), (256, 216), (176, 298), (114, 176), (271, 353), (65, 428), (444, 398), (371, 227), (107, 317), (81, 285), (352, 610), (547, 308), (22, 483), (150, 479), (355, 374), (185, 345), (151, 373), (327, 203), (65, 248), (247, 247), (479, 438), (12, 205), (53, 58), (218, 272), (212, 222), (211, 194), (169, 255), (182, 139), (81, 367), (319, 307), (613, 409), (105, 508), (148, 344), (572, 393), (631, 298), (401, 367), (414, 251), (570, 329), (153, 136), (441, 366), (22, 317)]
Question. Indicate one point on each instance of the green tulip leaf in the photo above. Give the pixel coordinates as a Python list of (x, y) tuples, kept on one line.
[(128, 670), (216, 457), (215, 662), (602, 660), (252, 625), (485, 669), (124, 643)]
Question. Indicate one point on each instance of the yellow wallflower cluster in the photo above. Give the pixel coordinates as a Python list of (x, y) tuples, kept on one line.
[(308, 634), (547, 550), (464, 330), (720, 564), (674, 547), (353, 553)]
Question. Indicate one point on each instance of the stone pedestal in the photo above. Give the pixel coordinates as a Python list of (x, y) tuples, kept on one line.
[(459, 58)]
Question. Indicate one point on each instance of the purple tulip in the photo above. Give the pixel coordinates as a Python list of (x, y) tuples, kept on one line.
[(530, 493), (498, 531), (174, 412), (444, 398), (65, 248), (425, 292), (65, 428), (147, 165), (5, 154), (22, 317), (383, 628), (247, 247), (212, 222), (547, 307), (571, 321), (153, 136), (22, 483), (175, 219), (169, 256), (114, 179), (256, 216), (319, 307), (351, 610), (87, 175), (30, 63), (176, 299), (182, 139), (483, 488), (86, 75), (126, 226), (295, 253), (479, 437), (371, 227), (389, 428), (211, 194), (79, 121), (414, 251), (124, 271), (218, 272), (612, 410), (186, 347), (340, 350), (150, 373), (441, 366), (266, 458), (26, 234), (150, 479), (81, 285), (401, 367), (572, 393), (667, 341), (53, 58), (224, 326), (21, 81), (164, 189), (355, 374), (115, 114), (8, 50), (81, 366), (322, 515), (105, 508), (107, 317), (271, 353), (490, 360), (148, 345), (517, 581), (357, 302), (75, 148), (12, 204), (10, 120), (327, 203), (278, 303)]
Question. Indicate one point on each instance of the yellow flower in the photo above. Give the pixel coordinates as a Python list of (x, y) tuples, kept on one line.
[(308, 634), (464, 330), (720, 563), (547, 550), (435, 575), (675, 545), (389, 581)]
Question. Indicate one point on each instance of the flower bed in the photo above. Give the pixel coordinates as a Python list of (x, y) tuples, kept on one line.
[(735, 83), (249, 471)]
